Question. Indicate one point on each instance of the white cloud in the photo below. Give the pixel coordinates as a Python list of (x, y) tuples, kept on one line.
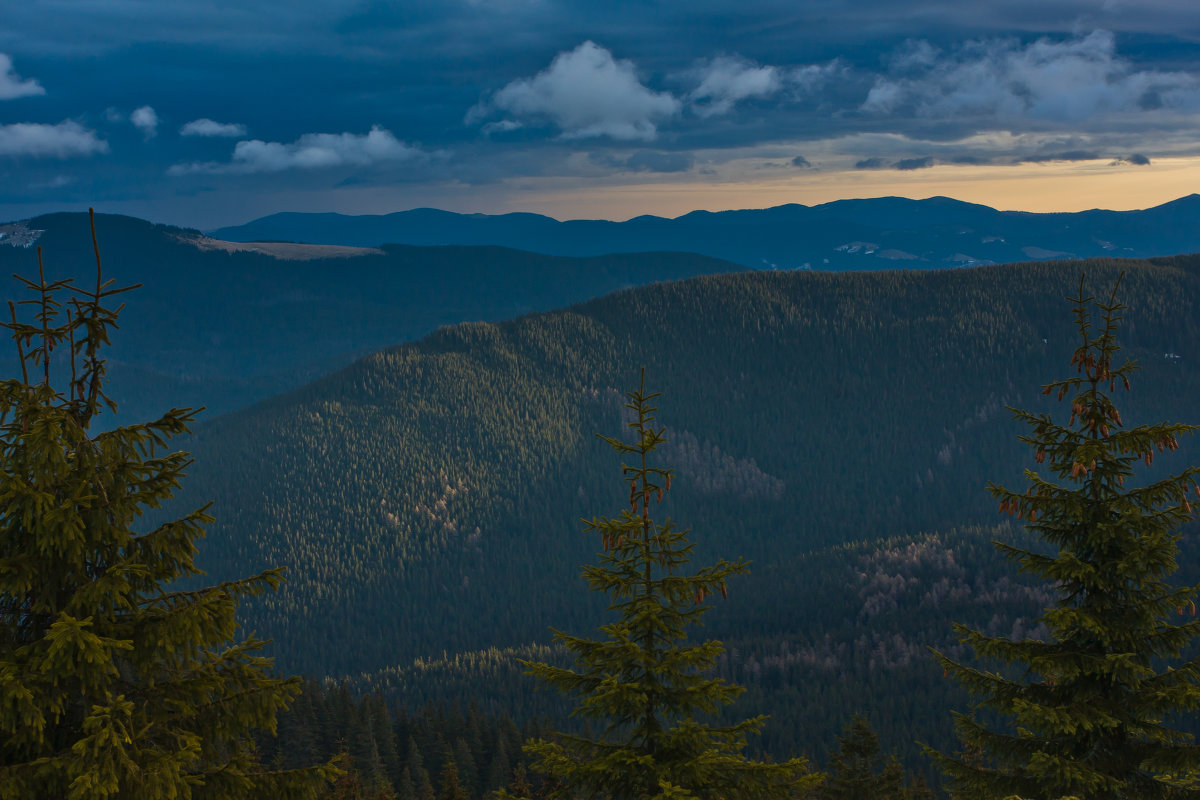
[(310, 151), (502, 126), (64, 140), (726, 80), (145, 120), (913, 55), (812, 77), (584, 93), (1057, 81), (207, 127), (723, 82), (12, 85)]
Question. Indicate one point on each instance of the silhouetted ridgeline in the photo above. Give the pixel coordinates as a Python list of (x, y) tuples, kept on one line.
[(865, 234)]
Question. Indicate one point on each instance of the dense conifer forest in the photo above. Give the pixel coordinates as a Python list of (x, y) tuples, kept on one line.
[(835, 430)]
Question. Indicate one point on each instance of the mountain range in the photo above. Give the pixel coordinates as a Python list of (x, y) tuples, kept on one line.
[(835, 428), (224, 325), (877, 233)]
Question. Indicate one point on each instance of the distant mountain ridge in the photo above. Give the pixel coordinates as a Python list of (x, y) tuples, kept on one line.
[(225, 326), (873, 233)]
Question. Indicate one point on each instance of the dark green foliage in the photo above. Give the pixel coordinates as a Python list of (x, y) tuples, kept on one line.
[(500, 768), (859, 771), (861, 649), (112, 682), (643, 683), (465, 763), (808, 410), (875, 400), (452, 788), (412, 755), (1090, 704), (519, 785)]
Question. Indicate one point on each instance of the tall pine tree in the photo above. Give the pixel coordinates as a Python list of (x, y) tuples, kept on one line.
[(1089, 706), (643, 682), (114, 683)]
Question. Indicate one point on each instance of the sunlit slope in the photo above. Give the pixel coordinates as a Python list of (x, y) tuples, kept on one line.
[(427, 498)]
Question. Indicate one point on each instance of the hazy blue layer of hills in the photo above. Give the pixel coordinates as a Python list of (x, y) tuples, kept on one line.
[(880, 233), (225, 329)]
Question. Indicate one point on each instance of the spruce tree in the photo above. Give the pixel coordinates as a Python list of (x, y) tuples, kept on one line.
[(499, 768), (415, 764), (1090, 706), (385, 736), (114, 682), (451, 786), (468, 774), (404, 787), (859, 770), (643, 682)]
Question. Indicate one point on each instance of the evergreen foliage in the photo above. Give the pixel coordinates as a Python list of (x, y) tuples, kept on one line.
[(399, 530), (858, 770), (642, 682), (1091, 711), (389, 752), (113, 684), (452, 788)]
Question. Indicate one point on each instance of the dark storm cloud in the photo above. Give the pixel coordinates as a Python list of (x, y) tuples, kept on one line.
[(914, 163), (801, 161), (874, 162), (489, 90), (1137, 160), (775, 25), (903, 164)]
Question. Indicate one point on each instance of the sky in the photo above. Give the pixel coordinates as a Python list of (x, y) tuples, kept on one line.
[(215, 113)]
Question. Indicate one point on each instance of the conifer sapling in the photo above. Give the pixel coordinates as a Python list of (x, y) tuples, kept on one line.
[(642, 682)]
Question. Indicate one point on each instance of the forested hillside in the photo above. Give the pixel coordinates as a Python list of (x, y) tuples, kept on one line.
[(426, 499), (224, 328)]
